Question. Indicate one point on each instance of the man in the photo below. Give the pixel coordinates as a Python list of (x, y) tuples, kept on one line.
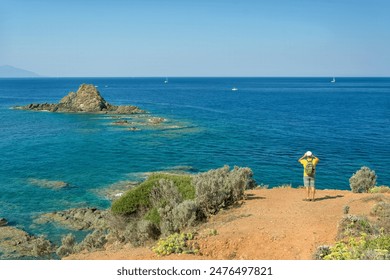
[(309, 162)]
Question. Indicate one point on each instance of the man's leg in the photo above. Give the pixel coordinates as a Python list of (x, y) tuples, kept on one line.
[(313, 188), (306, 183)]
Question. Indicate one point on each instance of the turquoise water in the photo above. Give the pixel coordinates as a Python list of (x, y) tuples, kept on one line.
[(266, 125)]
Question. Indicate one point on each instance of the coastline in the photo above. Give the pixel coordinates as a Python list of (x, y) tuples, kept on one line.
[(272, 224)]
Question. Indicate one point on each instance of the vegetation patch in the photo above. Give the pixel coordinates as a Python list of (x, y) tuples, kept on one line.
[(221, 188), (362, 248), (137, 199), (363, 180), (167, 204), (176, 244), (360, 238), (380, 189)]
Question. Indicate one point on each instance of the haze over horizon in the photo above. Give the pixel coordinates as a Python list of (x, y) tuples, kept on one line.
[(215, 38)]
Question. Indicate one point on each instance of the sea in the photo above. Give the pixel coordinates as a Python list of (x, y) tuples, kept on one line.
[(267, 124)]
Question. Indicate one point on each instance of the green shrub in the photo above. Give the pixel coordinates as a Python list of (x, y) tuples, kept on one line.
[(177, 217), (363, 180), (133, 200), (221, 188), (321, 252), (184, 215), (153, 216), (68, 245), (175, 243), (163, 193), (381, 211), (137, 199), (381, 189), (363, 248), (182, 182), (351, 225), (174, 214), (141, 231), (166, 203), (92, 242)]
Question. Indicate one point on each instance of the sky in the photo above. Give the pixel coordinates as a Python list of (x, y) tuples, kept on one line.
[(147, 38)]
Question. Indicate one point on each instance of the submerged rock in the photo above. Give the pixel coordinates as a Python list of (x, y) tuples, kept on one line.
[(134, 128), (87, 99), (156, 120), (3, 222), (121, 122), (44, 183)]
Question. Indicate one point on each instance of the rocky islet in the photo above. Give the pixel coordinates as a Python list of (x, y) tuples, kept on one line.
[(87, 99)]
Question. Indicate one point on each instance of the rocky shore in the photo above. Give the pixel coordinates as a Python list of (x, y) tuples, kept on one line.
[(16, 243), (77, 218), (87, 99)]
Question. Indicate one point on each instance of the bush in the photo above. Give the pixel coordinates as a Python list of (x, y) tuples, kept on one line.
[(363, 248), (165, 193), (351, 225), (92, 242), (182, 182), (134, 200), (381, 189), (68, 245), (173, 213), (321, 252), (381, 211), (184, 215), (153, 216), (363, 180), (175, 218), (137, 200), (175, 243), (166, 203), (139, 232), (221, 188)]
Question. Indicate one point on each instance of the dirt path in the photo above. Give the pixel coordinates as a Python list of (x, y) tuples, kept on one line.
[(274, 224)]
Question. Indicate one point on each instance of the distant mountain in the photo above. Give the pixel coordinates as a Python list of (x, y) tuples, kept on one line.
[(7, 71)]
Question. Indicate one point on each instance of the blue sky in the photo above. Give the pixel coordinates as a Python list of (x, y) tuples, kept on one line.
[(196, 38)]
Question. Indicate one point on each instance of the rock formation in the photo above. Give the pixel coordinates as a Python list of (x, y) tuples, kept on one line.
[(3, 222), (77, 218), (87, 99), (16, 243)]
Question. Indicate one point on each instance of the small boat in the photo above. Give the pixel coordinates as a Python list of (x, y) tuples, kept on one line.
[(333, 81), (234, 89), (166, 80)]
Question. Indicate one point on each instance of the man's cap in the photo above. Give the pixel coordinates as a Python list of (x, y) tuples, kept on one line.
[(309, 154)]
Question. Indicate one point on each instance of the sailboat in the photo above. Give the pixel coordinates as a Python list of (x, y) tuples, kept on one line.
[(333, 81), (166, 80)]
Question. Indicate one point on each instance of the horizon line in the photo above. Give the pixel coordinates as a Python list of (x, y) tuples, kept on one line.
[(163, 77)]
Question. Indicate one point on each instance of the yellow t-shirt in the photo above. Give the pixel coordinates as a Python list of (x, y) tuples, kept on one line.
[(304, 163)]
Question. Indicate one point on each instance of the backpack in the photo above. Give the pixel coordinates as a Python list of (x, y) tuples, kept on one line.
[(309, 168)]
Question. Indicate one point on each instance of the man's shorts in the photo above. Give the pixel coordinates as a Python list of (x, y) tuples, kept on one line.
[(308, 181)]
